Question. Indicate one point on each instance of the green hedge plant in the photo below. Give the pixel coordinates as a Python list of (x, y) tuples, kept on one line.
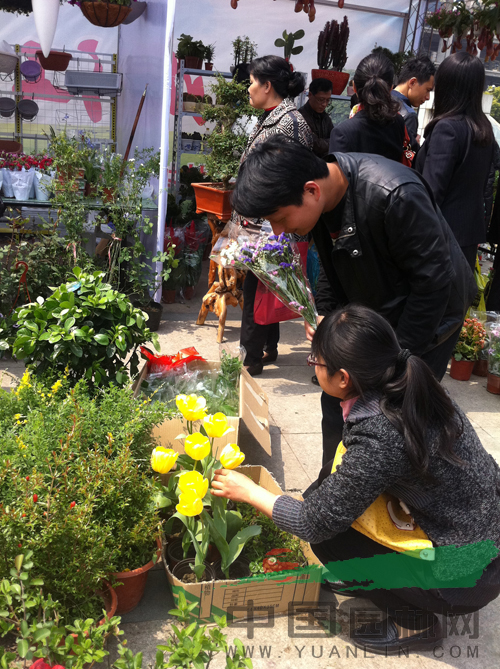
[(84, 327)]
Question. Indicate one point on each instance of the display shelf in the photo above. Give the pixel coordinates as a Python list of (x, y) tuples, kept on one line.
[(177, 150)]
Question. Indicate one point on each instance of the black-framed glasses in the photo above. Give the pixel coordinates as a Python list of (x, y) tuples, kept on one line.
[(312, 362)]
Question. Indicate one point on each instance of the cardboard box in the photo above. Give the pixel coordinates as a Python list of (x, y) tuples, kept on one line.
[(253, 411), (255, 597)]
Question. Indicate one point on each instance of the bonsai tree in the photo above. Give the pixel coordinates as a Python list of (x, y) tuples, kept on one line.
[(228, 138), (244, 50), (288, 40), (332, 45)]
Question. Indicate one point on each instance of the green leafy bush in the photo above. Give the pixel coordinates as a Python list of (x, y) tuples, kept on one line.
[(75, 486), (84, 326)]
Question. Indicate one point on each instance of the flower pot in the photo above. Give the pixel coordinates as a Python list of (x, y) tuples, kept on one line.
[(138, 9), (189, 106), (90, 190), (154, 311), (480, 368), (45, 13), (193, 62), (209, 66), (108, 595), (28, 109), (7, 107), (56, 61), (213, 200), (188, 292), (168, 296), (339, 79), (108, 194), (31, 71), (81, 82), (461, 370), (130, 593), (239, 569), (493, 384), (175, 554), (10, 146), (183, 568), (196, 145), (103, 13)]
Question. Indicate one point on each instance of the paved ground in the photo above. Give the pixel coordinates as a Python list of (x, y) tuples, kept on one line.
[(295, 417)]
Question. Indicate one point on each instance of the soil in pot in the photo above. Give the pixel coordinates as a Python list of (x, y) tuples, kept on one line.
[(461, 370), (184, 573), (133, 584)]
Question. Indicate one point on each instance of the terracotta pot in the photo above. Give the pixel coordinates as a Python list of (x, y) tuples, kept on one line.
[(90, 190), (193, 62), (104, 14), (493, 384), (188, 292), (480, 368), (130, 593), (56, 61), (209, 66), (110, 600), (108, 194), (339, 79), (184, 567), (168, 296), (213, 200), (461, 370)]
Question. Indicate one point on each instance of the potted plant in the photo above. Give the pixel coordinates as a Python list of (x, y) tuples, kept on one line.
[(227, 141), (332, 54), (287, 41), (493, 380), (56, 61), (470, 342), (209, 56), (189, 102), (190, 51), (104, 13), (244, 51)]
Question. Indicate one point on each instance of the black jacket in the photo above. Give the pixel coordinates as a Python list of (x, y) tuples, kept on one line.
[(360, 134), (321, 126), (395, 253), (457, 170), (410, 116)]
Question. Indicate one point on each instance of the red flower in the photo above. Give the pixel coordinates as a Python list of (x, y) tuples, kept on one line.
[(40, 664), (27, 478), (72, 505), (35, 498)]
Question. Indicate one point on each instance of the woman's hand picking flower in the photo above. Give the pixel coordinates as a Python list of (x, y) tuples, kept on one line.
[(239, 488)]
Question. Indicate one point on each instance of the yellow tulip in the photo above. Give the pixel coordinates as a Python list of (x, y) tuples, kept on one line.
[(197, 446), (163, 459), (231, 456), (189, 504), (192, 407), (216, 426), (193, 482)]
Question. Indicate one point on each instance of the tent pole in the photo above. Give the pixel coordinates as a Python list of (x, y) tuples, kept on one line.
[(165, 138)]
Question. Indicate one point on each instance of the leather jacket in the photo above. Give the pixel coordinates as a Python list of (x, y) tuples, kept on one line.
[(394, 253)]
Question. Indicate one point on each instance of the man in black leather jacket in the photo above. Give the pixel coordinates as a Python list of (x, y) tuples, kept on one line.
[(381, 239)]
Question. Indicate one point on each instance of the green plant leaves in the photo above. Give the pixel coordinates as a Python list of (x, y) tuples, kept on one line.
[(102, 339), (279, 42)]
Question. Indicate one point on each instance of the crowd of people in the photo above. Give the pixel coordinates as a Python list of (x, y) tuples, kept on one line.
[(396, 219)]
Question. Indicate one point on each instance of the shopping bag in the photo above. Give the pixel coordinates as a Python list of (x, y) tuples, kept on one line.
[(267, 308)]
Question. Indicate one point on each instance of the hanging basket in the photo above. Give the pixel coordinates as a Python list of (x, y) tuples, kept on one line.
[(103, 13), (56, 61)]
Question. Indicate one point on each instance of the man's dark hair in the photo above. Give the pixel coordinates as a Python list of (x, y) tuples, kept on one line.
[(320, 85), (274, 176), (422, 68)]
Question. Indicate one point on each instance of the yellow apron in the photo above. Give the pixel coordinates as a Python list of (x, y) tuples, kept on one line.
[(385, 522)]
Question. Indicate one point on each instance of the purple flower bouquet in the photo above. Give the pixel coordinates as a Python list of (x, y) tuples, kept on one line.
[(275, 260)]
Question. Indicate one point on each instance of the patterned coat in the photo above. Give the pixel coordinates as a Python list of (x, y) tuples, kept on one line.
[(284, 120)]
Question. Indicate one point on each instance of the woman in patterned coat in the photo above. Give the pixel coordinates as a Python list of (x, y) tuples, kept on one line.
[(273, 86)]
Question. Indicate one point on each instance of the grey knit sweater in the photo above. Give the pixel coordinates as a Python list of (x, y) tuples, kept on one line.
[(461, 509)]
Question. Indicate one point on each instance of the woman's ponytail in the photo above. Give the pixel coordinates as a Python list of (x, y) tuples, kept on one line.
[(296, 84), (374, 78), (277, 71)]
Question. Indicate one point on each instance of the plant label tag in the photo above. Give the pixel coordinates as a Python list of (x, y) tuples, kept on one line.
[(74, 286)]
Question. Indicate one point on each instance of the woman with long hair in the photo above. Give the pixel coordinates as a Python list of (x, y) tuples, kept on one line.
[(411, 462), (457, 154), (273, 86), (376, 126)]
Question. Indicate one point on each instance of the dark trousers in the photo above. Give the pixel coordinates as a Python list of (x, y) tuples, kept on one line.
[(470, 253), (332, 422), (255, 338), (411, 607)]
